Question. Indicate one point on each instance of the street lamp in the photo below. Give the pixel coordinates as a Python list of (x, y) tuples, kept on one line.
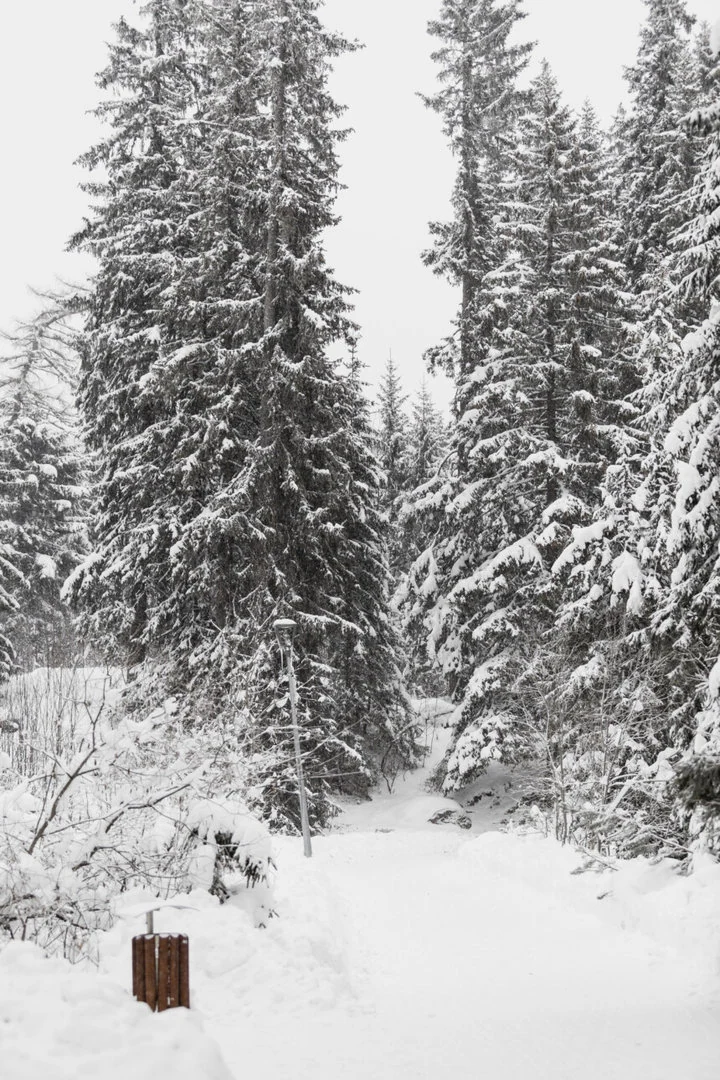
[(284, 631)]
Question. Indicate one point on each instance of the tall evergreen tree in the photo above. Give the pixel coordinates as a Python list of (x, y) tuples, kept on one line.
[(540, 417), (427, 439), (643, 574), (392, 430), (244, 487), (137, 234), (479, 102), (660, 156), (392, 450), (420, 520), (689, 535), (43, 476)]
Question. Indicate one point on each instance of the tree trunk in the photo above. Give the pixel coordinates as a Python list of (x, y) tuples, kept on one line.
[(468, 191), (276, 232)]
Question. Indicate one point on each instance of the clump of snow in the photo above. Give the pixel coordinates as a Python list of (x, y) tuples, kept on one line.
[(61, 1023), (47, 567), (582, 537), (628, 577)]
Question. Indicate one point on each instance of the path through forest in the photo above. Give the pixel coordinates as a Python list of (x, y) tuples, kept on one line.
[(424, 951)]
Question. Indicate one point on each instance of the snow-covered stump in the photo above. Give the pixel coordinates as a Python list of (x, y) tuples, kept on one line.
[(161, 971)]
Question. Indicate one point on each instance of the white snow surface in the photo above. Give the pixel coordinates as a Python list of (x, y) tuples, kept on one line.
[(59, 1022), (403, 951)]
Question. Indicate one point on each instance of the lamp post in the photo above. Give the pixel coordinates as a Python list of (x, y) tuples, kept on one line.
[(284, 631)]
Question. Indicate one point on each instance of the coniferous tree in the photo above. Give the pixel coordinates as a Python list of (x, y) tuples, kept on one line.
[(689, 533), (643, 569), (479, 102), (392, 451), (43, 475), (525, 487), (243, 487), (660, 157), (136, 233), (419, 522), (427, 440), (541, 415)]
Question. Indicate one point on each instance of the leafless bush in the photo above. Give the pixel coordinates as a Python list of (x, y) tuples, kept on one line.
[(95, 802)]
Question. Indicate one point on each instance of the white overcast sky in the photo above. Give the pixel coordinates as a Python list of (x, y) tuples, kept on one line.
[(396, 168)]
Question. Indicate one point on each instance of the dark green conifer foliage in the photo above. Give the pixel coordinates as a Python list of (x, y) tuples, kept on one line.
[(239, 483)]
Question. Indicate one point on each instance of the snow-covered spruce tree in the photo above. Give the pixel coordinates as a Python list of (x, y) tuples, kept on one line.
[(43, 495), (704, 66), (479, 102), (305, 504), (613, 679), (614, 571), (520, 481), (660, 154), (689, 616), (648, 568), (540, 417), (419, 521), (427, 442), (138, 232), (242, 488), (392, 452)]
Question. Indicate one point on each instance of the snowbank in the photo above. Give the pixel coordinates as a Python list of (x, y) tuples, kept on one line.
[(61, 1023), (297, 961), (650, 899)]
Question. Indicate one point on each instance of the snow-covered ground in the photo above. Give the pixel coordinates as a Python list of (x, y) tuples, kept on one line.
[(404, 951)]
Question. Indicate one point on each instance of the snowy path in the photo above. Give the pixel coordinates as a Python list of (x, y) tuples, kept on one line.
[(427, 952), (458, 971), (403, 951)]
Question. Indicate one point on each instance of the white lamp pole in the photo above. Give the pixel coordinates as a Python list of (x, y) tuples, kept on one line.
[(284, 630)]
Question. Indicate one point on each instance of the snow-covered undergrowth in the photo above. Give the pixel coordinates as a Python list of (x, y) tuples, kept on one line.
[(96, 800), (297, 960)]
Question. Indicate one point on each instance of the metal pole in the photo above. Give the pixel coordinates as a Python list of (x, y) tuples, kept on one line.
[(304, 816)]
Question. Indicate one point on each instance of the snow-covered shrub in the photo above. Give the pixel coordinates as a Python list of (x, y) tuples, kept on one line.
[(97, 800), (605, 766)]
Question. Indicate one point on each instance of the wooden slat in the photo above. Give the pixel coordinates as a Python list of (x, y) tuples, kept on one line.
[(174, 973), (150, 972), (184, 957), (164, 944), (161, 970), (138, 968)]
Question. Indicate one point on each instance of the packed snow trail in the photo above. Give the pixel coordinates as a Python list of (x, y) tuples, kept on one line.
[(460, 971), (408, 951)]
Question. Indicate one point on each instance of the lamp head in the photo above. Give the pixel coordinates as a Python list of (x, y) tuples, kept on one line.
[(285, 631)]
